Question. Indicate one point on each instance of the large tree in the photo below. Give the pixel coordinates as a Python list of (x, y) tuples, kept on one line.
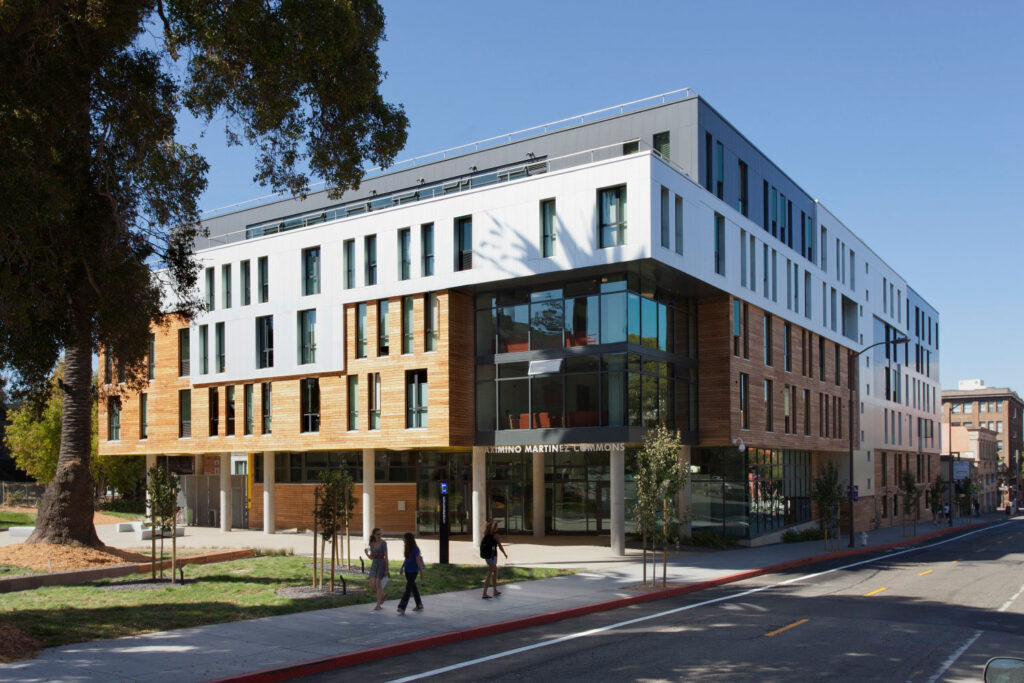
[(96, 191)]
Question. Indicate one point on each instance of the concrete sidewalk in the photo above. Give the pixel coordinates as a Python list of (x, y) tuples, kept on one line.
[(236, 648)]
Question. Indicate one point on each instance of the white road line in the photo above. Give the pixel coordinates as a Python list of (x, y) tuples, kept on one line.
[(684, 608), (955, 656)]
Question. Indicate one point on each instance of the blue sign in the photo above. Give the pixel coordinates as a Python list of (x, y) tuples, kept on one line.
[(444, 487), (856, 492)]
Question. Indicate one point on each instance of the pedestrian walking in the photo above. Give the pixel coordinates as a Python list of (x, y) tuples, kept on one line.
[(945, 511), (413, 569), (379, 571), (489, 547)]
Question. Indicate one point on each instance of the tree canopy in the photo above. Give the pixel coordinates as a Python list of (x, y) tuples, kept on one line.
[(96, 189)]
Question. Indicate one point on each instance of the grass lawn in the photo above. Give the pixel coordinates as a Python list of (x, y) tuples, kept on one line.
[(228, 591), (9, 519)]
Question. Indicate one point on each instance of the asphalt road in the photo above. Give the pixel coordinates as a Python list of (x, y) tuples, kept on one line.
[(933, 613)]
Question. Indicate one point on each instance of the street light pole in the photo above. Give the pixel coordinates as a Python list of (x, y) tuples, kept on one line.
[(849, 381)]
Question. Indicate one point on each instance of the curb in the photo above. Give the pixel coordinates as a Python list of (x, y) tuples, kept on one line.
[(373, 654)]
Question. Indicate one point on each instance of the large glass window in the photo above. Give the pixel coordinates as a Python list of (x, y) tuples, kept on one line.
[(225, 277), (408, 335), (666, 218), (361, 330), (427, 247), (430, 322), (307, 336), (546, 323), (373, 391), (214, 411), (114, 419), (204, 349), (245, 277), (611, 207), (311, 271), (547, 228), (265, 341), (353, 403), (370, 266), (416, 399), (229, 411), (349, 256), (143, 416), (719, 244), (309, 397), (383, 338), (211, 302), (184, 413), (220, 347), (268, 412), (263, 279), (249, 413), (151, 358)]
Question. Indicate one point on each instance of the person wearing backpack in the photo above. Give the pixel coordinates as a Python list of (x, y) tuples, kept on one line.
[(489, 547)]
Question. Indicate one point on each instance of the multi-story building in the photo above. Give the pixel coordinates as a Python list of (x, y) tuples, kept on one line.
[(978, 446), (511, 316), (1000, 409)]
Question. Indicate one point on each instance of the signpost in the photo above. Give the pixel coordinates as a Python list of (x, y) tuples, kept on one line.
[(444, 524)]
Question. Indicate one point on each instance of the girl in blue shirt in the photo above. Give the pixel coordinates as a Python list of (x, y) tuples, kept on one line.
[(413, 568)]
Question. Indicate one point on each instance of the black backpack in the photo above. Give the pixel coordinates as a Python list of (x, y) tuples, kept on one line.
[(487, 547)]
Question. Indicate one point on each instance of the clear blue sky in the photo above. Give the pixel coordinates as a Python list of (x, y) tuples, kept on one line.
[(904, 118)]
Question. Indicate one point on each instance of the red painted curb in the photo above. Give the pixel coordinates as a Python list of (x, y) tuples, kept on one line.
[(373, 654)]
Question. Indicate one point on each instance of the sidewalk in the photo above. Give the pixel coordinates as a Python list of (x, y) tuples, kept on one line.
[(236, 648)]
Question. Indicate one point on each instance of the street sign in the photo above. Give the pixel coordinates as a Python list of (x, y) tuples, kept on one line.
[(961, 469), (443, 540), (856, 492)]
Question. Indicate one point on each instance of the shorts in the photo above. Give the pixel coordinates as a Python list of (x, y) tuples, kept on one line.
[(492, 561)]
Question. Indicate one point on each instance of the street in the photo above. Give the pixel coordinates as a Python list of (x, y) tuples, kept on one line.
[(932, 613)]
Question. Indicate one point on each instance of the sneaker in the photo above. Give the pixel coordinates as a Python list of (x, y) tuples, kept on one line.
[(418, 608), (401, 611)]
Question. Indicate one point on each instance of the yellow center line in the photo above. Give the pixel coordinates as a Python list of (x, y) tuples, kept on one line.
[(785, 628), (926, 571), (879, 590), (955, 561)]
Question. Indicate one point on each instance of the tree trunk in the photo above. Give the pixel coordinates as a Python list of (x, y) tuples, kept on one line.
[(66, 509)]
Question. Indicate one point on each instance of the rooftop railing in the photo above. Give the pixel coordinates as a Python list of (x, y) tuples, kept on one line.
[(471, 181), (505, 138)]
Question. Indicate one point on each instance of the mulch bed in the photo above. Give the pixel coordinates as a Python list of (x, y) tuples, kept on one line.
[(59, 558), (15, 644)]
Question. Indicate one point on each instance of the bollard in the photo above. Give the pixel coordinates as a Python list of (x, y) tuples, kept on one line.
[(863, 539)]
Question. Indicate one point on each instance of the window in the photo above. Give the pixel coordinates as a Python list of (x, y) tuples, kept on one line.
[(768, 406), (143, 416), (246, 276), (662, 145), (353, 403), (311, 271), (787, 348), (665, 218), (225, 279), (383, 344), (370, 267), (214, 412), (836, 363), (744, 196), (611, 224), (268, 411), (416, 399), (151, 358), (309, 390), (679, 224), (821, 359), (307, 336), (719, 170), (547, 228), (204, 349), (373, 384), (631, 147), (464, 243), (265, 341), (114, 419), (219, 347), (767, 339), (708, 161), (719, 244), (211, 303), (744, 401), (263, 279), (184, 413), (430, 322), (806, 408), (248, 408), (229, 411), (349, 254), (404, 254), (736, 327), (407, 324), (427, 247), (361, 330), (789, 425)]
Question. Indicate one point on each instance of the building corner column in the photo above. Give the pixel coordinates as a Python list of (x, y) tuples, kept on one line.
[(618, 502), (225, 492), (369, 492), (538, 495), (269, 526), (685, 493), (479, 492)]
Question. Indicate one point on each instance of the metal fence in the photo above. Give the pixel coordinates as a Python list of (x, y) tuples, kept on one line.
[(20, 494)]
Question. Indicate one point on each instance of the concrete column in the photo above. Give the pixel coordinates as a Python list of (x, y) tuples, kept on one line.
[(269, 525), (369, 492), (538, 495), (618, 508), (225, 492), (685, 493), (479, 492)]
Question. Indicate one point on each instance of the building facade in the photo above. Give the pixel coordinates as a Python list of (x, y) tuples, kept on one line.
[(999, 409), (510, 320)]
